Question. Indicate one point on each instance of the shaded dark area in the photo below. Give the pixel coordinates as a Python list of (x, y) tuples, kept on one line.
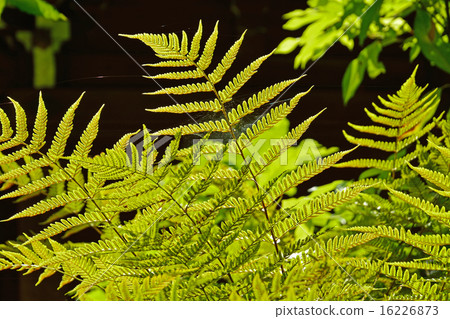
[(92, 61)]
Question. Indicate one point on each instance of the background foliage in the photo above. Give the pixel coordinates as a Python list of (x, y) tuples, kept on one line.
[(420, 26)]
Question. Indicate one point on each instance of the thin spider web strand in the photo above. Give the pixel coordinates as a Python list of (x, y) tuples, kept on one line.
[(128, 54)]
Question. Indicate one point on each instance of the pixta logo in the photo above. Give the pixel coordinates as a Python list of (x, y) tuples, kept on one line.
[(213, 149)]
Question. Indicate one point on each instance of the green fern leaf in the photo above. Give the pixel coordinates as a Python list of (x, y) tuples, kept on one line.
[(240, 79), (21, 128), (226, 62)]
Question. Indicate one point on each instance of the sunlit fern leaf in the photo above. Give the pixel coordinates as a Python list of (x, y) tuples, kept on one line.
[(410, 117), (419, 241), (56, 150), (178, 75), (52, 203), (7, 131), (258, 99), (37, 139), (209, 126), (202, 106), (240, 79), (282, 145), (226, 61), (340, 244), (304, 173), (21, 132), (413, 282), (71, 172), (269, 120), (35, 186), (445, 151), (405, 114), (385, 165), (205, 59), (185, 89), (68, 223), (314, 207), (434, 177), (434, 211), (430, 266), (393, 147), (195, 227)]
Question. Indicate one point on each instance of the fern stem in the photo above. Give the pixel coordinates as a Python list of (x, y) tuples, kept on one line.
[(394, 164), (241, 151)]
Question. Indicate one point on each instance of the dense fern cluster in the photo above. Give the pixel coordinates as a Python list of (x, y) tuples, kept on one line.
[(412, 219), (202, 227)]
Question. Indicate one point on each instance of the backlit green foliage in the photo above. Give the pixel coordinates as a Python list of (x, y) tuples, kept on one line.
[(412, 220), (190, 224), (421, 26)]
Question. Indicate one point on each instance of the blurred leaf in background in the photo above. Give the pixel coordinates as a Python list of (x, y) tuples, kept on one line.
[(39, 8), (51, 30), (373, 25)]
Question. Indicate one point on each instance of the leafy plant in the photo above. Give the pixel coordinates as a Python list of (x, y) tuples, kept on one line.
[(412, 219), (212, 221), (184, 240), (383, 22)]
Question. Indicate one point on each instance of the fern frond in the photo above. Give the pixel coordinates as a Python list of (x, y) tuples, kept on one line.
[(241, 78), (63, 225), (315, 207), (408, 93), (373, 129), (195, 44), (56, 150), (445, 151), (21, 128), (406, 236), (430, 209), (419, 265), (258, 100), (165, 46), (202, 106), (434, 177), (282, 145), (49, 204), (37, 185), (388, 146), (38, 137), (202, 127), (386, 165), (185, 89), (304, 173), (403, 276), (208, 51), (7, 131), (183, 75), (275, 115), (344, 243), (226, 62)]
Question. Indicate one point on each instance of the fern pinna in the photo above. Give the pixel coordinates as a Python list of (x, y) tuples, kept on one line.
[(411, 223)]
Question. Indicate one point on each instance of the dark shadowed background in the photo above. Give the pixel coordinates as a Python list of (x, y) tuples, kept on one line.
[(91, 61)]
